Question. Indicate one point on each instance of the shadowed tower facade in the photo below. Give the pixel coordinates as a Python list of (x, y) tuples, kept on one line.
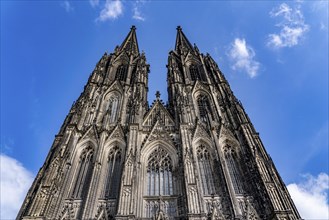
[(197, 157)]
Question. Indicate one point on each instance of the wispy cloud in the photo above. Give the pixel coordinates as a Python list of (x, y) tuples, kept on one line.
[(323, 26), (311, 196), (320, 10), (67, 6), (111, 10), (15, 181), (94, 3), (317, 143), (7, 145), (321, 7), (242, 56), (292, 27), (137, 14)]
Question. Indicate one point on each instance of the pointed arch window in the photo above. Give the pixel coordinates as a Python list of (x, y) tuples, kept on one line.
[(84, 172), (159, 173), (112, 108), (205, 170), (233, 169), (121, 73), (204, 108), (196, 73), (113, 173), (161, 185)]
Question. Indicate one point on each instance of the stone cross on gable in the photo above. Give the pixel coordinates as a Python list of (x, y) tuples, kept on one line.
[(157, 95)]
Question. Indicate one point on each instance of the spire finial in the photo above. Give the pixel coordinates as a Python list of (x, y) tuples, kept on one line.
[(179, 28), (133, 27), (157, 95)]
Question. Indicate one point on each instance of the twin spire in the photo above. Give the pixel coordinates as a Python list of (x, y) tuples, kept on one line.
[(182, 43), (130, 43)]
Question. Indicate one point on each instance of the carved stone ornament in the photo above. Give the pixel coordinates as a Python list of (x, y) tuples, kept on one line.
[(159, 133), (226, 137), (91, 133), (200, 86), (70, 210), (116, 86), (116, 133), (200, 132)]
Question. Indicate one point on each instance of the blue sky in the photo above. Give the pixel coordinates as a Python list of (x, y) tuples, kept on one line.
[(274, 55)]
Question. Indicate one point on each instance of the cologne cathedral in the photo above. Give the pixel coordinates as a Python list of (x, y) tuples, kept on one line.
[(196, 157)]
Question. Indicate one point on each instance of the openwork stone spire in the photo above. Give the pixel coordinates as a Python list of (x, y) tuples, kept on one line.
[(182, 43), (130, 43)]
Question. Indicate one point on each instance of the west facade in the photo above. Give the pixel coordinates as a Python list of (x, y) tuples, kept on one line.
[(198, 157)]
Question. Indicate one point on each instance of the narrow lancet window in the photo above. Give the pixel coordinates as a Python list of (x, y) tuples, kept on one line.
[(112, 109), (113, 173), (233, 169), (204, 108), (83, 173), (194, 72), (197, 73), (205, 170), (121, 73)]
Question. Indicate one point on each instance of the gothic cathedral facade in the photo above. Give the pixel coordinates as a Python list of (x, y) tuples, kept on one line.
[(197, 157)]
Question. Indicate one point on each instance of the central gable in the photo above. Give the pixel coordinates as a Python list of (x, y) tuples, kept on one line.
[(158, 133), (158, 112)]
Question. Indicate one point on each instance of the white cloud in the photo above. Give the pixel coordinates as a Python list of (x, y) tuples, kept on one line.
[(111, 10), (242, 56), (15, 181), (292, 27), (311, 196), (67, 6), (137, 15), (94, 3)]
